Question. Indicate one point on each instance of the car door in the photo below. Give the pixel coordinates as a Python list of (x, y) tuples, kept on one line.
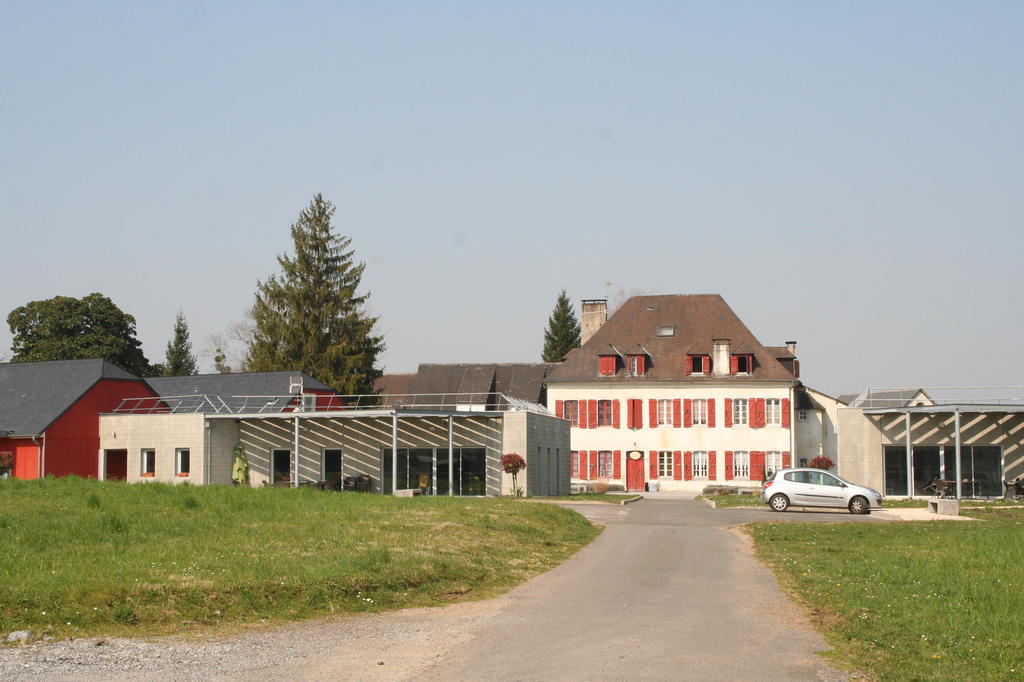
[(816, 492), (800, 489), (832, 490)]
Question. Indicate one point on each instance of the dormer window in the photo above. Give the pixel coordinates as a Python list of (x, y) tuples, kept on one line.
[(698, 364), (741, 364), (636, 365), (608, 365), (665, 330)]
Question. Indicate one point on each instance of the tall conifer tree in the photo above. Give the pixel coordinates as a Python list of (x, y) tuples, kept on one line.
[(310, 317), (179, 359), (563, 332)]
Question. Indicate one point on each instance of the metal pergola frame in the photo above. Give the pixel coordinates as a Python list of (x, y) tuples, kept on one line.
[(954, 409)]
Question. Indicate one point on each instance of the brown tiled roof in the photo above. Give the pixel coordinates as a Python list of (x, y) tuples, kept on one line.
[(393, 384), (698, 319), (438, 384)]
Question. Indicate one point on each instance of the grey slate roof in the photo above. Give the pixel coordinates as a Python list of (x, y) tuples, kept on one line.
[(698, 320), (243, 383), (34, 394), (897, 397)]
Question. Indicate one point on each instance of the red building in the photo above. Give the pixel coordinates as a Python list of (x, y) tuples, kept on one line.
[(49, 413)]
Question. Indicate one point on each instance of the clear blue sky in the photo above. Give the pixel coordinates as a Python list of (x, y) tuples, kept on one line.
[(848, 175)]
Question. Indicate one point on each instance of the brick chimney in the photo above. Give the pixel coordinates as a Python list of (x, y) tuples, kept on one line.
[(595, 314), (720, 356)]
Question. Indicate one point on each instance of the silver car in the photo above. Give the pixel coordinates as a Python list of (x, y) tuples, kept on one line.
[(817, 488)]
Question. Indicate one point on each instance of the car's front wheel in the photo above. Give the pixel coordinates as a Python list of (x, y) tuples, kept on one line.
[(859, 505), (779, 503)]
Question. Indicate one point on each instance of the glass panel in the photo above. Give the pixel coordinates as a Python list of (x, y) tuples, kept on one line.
[(403, 470), (282, 467), (420, 463), (926, 467), (473, 472), (988, 471), (442, 471), (332, 468), (895, 470)]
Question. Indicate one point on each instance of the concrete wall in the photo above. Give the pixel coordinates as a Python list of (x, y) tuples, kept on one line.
[(862, 438), (665, 437), (543, 441)]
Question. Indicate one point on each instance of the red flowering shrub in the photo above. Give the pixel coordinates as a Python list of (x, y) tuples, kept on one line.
[(821, 462)]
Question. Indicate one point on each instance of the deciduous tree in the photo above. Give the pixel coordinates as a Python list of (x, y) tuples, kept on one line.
[(66, 328), (311, 317)]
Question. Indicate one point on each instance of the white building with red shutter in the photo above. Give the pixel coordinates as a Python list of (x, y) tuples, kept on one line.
[(676, 389)]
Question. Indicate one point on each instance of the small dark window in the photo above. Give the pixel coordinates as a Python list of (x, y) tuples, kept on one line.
[(696, 364), (743, 364)]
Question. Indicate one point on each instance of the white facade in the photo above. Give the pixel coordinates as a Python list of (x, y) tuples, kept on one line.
[(723, 446)]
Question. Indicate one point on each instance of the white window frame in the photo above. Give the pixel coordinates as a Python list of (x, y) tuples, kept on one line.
[(802, 415), (741, 465), (664, 412), (574, 464), (772, 462), (773, 412), (632, 365), (665, 464), (610, 413), (178, 470), (699, 462), (605, 464), (740, 412), (143, 469), (699, 412)]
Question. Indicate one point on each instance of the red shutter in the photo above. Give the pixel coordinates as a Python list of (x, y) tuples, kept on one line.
[(653, 409), (581, 413), (629, 414), (617, 454), (593, 463), (786, 460), (756, 465), (728, 465), (687, 413), (641, 365), (734, 364), (711, 413), (654, 465), (558, 408), (712, 474), (638, 413), (607, 365), (688, 466), (615, 414), (760, 412), (785, 413), (728, 413), (688, 365), (581, 462), (677, 473), (592, 413), (676, 417), (707, 364)]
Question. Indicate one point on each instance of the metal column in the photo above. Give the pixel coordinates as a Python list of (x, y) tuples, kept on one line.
[(295, 479), (451, 460), (910, 458), (394, 453), (956, 428)]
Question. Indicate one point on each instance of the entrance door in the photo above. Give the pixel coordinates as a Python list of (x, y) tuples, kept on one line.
[(635, 470), (116, 468)]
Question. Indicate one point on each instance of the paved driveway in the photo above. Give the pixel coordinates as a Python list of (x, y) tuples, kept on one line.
[(667, 592)]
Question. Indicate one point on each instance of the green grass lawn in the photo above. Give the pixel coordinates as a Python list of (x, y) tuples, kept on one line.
[(910, 601), (84, 557)]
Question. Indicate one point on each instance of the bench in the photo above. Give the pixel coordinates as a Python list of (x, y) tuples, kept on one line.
[(949, 507), (408, 492)]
